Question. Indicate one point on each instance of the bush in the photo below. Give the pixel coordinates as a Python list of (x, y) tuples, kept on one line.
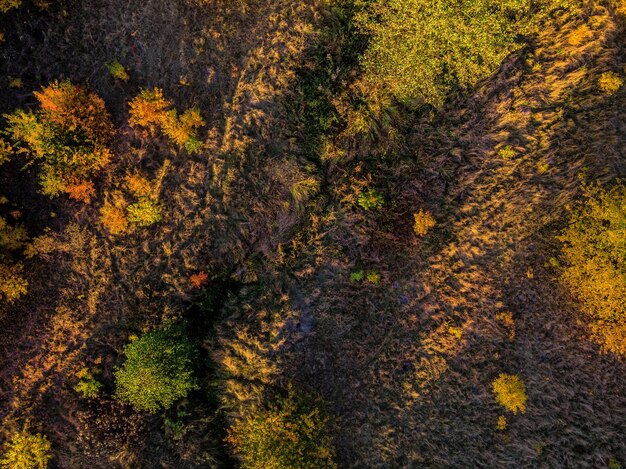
[(150, 109), (5, 151), (370, 199), (594, 258), (144, 212), (610, 82), (69, 133), (6, 5), (157, 370), (423, 222), (290, 433), (88, 386), (12, 283), (26, 451), (118, 71), (421, 50), (510, 392)]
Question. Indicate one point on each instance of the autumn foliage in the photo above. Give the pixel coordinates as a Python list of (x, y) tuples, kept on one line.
[(68, 134), (594, 243), (152, 110)]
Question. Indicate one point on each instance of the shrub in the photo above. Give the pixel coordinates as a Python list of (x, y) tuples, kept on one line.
[(507, 152), (25, 450), (113, 217), (510, 392), (144, 212), (6, 5), (593, 254), (423, 222), (289, 433), (422, 50), (5, 151), (157, 370), (88, 386), (373, 277), (370, 199), (12, 283), (610, 82), (138, 185), (118, 71), (150, 109), (69, 133), (199, 280)]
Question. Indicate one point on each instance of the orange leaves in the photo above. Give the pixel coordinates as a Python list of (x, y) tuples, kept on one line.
[(199, 280), (147, 109), (82, 191), (151, 110), (69, 132)]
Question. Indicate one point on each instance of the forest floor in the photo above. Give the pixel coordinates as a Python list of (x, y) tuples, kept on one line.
[(404, 364)]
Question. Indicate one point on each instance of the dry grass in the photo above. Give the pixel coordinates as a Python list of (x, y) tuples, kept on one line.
[(406, 363)]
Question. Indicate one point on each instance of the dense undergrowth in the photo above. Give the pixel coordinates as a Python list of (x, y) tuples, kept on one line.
[(327, 233)]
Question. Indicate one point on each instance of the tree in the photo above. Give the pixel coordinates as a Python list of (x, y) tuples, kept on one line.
[(594, 262), (12, 283), (69, 134), (289, 433), (150, 109), (510, 392), (25, 450), (157, 370)]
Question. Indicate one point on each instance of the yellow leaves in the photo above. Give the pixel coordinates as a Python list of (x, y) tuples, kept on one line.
[(610, 82), (510, 392), (595, 267), (25, 450), (502, 423), (423, 222)]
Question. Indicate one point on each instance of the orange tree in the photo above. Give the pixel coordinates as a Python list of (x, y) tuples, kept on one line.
[(69, 134)]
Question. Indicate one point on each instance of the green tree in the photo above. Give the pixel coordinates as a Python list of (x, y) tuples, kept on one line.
[(157, 370), (289, 433)]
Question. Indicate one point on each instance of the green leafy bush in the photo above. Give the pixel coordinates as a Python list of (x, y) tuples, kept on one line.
[(421, 50), (25, 450), (88, 386), (69, 134), (157, 370), (370, 200), (594, 258), (290, 433), (117, 70), (144, 212)]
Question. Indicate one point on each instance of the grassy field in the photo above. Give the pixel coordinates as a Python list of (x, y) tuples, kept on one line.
[(387, 260)]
